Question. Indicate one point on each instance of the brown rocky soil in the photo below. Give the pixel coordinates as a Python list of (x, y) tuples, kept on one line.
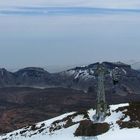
[(20, 106), (88, 128), (133, 111)]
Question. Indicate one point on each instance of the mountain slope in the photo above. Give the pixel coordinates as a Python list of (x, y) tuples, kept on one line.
[(85, 78), (66, 126), (32, 76)]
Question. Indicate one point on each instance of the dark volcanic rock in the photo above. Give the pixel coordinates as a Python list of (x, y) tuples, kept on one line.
[(88, 128), (133, 111)]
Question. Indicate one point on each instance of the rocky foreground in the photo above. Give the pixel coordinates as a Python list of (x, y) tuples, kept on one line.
[(122, 122), (20, 107)]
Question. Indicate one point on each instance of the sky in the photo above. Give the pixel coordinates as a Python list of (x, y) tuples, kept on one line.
[(61, 33)]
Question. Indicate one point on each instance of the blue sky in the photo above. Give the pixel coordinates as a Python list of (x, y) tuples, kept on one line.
[(68, 32)]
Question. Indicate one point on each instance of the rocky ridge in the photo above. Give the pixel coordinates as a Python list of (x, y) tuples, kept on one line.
[(81, 78)]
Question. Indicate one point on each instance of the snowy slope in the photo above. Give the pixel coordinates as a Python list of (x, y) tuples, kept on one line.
[(43, 130)]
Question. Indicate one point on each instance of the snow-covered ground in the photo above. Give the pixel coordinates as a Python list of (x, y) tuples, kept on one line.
[(115, 133)]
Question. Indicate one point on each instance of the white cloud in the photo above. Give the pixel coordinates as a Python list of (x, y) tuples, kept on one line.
[(84, 3)]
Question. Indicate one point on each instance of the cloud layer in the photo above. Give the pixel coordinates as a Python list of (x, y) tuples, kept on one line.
[(54, 7), (70, 3), (37, 11)]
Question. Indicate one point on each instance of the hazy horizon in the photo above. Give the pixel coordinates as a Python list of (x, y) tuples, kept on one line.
[(66, 33)]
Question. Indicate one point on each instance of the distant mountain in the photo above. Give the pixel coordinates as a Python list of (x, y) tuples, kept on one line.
[(136, 65), (122, 122), (86, 77), (32, 76), (81, 78)]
